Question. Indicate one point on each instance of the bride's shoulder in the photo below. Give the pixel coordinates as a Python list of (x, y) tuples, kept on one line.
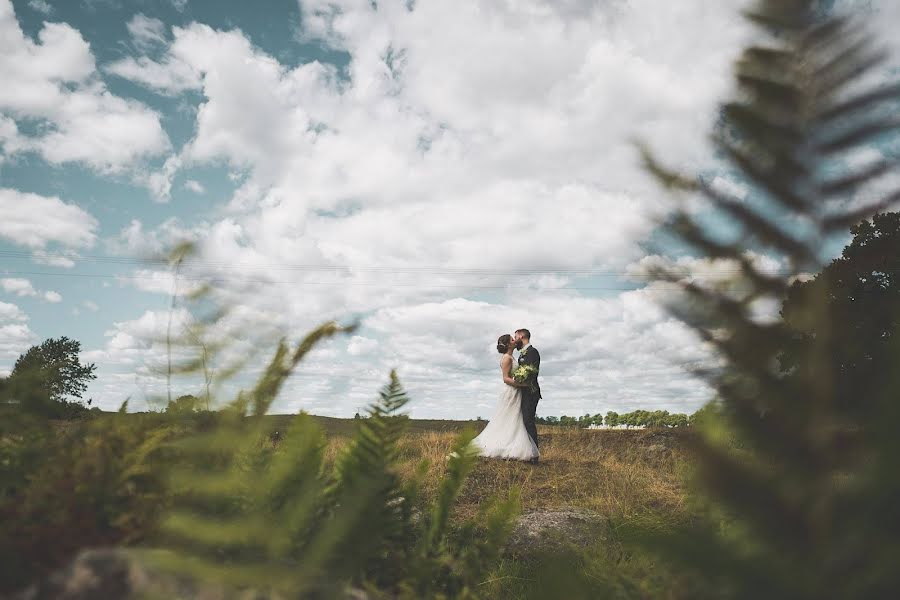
[(505, 358)]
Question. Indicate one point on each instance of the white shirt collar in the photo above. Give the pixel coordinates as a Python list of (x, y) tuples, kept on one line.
[(525, 347)]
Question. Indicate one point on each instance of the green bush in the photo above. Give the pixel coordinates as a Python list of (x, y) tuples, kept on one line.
[(70, 486), (251, 515)]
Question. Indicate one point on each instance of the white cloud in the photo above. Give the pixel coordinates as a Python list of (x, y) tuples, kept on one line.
[(11, 312), (471, 166), (35, 221), (10, 141), (474, 152), (81, 120), (23, 287), (135, 240), (146, 32), (17, 286), (359, 345), (15, 336), (55, 259), (163, 282), (136, 353), (444, 141), (42, 6), (194, 186), (171, 77), (91, 305), (144, 338), (620, 351)]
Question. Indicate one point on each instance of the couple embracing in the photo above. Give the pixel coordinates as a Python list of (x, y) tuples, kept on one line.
[(511, 432)]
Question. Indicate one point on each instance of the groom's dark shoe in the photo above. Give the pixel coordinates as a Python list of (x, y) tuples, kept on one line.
[(533, 461)]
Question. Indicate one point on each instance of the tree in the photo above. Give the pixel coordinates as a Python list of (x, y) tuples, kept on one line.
[(678, 420), (52, 371), (797, 508), (183, 405), (612, 419), (860, 292)]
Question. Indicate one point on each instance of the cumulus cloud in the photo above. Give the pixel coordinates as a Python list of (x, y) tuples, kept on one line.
[(469, 171), (134, 358), (60, 88), (457, 152), (146, 32), (42, 6), (15, 336), (23, 287), (11, 312), (65, 259), (616, 353), (34, 221), (17, 286), (135, 240), (194, 186), (360, 345), (171, 77), (142, 340)]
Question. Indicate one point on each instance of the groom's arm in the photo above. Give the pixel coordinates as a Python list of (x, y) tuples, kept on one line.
[(533, 357)]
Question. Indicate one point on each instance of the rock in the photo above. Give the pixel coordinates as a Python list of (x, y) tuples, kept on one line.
[(116, 574), (543, 530), (113, 573)]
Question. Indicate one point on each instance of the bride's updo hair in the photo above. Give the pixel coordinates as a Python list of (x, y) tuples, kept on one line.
[(503, 343)]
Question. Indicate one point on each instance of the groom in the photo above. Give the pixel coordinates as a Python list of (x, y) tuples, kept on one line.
[(528, 355)]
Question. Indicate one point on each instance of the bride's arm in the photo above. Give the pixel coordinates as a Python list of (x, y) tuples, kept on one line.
[(504, 370)]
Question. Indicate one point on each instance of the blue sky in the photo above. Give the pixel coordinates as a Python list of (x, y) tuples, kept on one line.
[(442, 172)]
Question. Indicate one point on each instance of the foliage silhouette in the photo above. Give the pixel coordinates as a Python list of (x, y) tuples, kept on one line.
[(45, 376), (801, 507), (253, 516)]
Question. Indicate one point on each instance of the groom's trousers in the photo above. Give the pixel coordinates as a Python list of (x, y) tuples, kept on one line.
[(529, 408)]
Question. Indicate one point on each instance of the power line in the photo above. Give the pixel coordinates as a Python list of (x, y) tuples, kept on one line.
[(639, 280), (381, 284), (430, 270), (158, 261)]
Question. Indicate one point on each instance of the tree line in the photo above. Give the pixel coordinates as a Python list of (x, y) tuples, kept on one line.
[(636, 418)]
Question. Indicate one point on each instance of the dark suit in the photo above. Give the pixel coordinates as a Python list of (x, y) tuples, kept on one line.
[(530, 396)]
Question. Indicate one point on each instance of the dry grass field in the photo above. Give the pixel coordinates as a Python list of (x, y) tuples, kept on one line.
[(587, 484), (614, 473)]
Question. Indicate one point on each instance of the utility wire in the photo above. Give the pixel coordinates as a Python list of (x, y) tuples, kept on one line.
[(435, 270)]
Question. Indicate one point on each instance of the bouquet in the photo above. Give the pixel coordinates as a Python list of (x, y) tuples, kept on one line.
[(525, 374)]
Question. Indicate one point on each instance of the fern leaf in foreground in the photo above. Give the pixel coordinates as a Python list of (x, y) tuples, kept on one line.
[(799, 507), (253, 517)]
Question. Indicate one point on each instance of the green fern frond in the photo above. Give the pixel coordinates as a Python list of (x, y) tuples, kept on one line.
[(282, 365), (802, 470)]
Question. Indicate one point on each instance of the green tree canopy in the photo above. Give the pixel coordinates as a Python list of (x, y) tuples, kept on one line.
[(52, 371), (858, 294), (183, 405)]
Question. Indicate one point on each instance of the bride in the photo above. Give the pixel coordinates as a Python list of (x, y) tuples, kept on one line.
[(505, 435)]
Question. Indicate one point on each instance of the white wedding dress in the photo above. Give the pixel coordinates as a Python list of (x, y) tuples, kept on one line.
[(505, 435)]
